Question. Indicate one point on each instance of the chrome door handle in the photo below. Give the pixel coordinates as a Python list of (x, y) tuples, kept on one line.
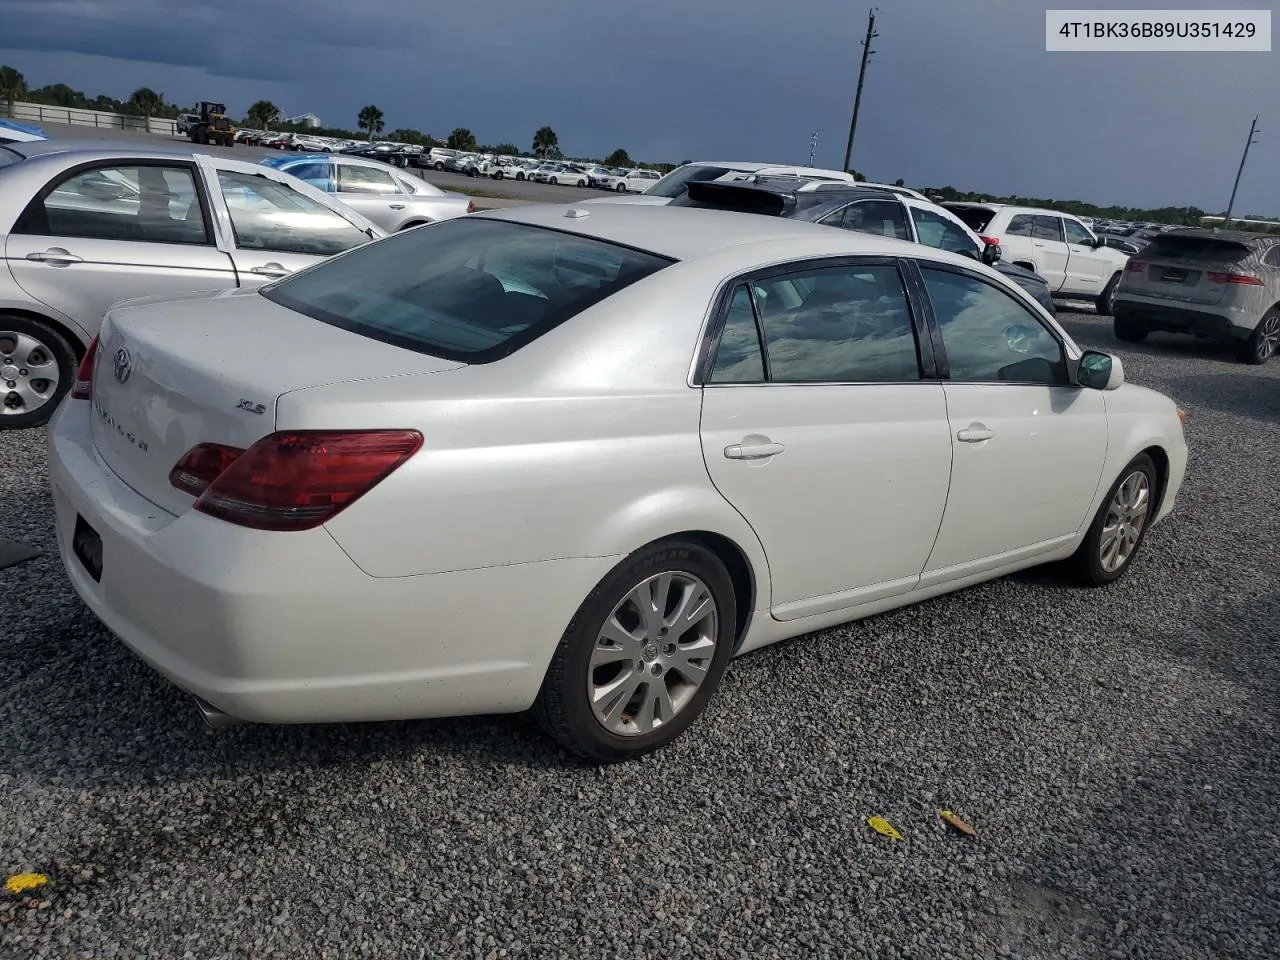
[(55, 255), (1036, 243), (396, 206), (975, 433), (753, 451), (271, 270)]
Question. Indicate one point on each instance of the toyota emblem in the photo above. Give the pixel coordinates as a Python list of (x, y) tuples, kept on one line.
[(122, 365)]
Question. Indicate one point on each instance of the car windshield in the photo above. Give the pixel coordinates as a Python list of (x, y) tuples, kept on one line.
[(469, 289), (675, 183)]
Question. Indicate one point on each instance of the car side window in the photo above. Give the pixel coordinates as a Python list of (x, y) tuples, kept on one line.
[(989, 336), (1273, 257), (1021, 225), (268, 215), (1047, 228), (354, 179), (739, 358), (143, 203), (1076, 233), (848, 324), (883, 218), (318, 173), (936, 231)]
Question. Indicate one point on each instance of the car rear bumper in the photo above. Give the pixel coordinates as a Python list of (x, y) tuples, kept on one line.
[(284, 628), (1154, 314)]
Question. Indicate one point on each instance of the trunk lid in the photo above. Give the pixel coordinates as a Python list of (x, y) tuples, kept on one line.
[(208, 368), (1179, 268)]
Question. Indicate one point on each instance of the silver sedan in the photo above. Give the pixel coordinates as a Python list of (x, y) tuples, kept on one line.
[(84, 224), (392, 199)]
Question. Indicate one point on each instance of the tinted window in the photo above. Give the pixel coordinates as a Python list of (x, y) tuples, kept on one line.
[(675, 182), (1021, 225), (1273, 257), (354, 179), (936, 231), (976, 218), (466, 289), (989, 336), (738, 357), (883, 218), (9, 157), (1211, 250), (152, 204), (1076, 233), (267, 215), (1047, 228), (838, 324)]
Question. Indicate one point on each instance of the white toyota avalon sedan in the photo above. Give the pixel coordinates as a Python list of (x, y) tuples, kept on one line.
[(574, 459)]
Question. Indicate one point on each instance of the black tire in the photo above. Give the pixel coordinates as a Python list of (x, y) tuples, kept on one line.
[(1086, 563), (497, 174), (1129, 330), (521, 176), (554, 182), (1106, 302), (58, 350), (621, 188), (1262, 343), (563, 708), (439, 166)]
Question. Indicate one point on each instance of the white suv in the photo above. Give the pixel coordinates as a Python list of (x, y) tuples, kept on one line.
[(1077, 264)]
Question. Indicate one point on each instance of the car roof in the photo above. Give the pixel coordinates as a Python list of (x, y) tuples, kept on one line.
[(1016, 208), (108, 148), (684, 233)]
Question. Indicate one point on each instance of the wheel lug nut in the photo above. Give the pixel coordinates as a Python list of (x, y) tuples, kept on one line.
[(10, 384), (22, 372), (657, 669), (669, 649)]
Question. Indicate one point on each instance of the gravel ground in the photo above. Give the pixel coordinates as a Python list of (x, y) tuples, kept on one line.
[(1114, 749)]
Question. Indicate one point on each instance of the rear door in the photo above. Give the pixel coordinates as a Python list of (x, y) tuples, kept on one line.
[(1050, 250), (110, 231), (276, 224), (1188, 269), (830, 440)]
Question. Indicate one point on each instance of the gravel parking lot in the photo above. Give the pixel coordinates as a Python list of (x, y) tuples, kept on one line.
[(482, 186), (1114, 749)]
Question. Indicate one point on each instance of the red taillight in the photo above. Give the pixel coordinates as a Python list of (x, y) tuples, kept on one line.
[(1136, 266), (993, 241), (300, 479), (82, 388), (1218, 277), (201, 465), (471, 206)]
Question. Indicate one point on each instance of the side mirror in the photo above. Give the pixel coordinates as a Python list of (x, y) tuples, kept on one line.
[(1099, 371), (991, 253)]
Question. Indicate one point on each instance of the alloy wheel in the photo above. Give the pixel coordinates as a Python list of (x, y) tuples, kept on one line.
[(652, 653), (1268, 336), (29, 374), (1126, 518)]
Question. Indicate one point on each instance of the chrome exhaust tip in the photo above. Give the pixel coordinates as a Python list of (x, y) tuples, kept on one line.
[(214, 718)]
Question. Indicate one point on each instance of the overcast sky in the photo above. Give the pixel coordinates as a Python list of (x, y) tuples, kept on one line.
[(959, 92)]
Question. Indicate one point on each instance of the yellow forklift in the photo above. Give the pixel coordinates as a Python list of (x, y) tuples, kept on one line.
[(214, 125)]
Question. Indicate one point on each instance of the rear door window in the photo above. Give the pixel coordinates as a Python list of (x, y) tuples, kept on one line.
[(884, 218), (1047, 228), (1021, 225), (467, 289), (358, 179), (270, 216)]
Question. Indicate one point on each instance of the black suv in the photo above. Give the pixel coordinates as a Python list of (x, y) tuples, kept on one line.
[(864, 209)]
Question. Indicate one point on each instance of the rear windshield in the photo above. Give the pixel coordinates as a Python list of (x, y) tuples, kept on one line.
[(465, 289), (975, 218), (1202, 249), (675, 183), (9, 157)]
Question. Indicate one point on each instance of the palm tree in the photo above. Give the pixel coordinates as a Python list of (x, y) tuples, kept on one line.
[(262, 114), (371, 119), (147, 102), (546, 143), (12, 86), (461, 139)]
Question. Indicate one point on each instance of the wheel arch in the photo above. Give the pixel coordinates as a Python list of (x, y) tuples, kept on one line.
[(1160, 457), (73, 334)]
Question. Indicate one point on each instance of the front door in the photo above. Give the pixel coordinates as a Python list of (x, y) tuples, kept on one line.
[(1029, 445), (113, 231), (1050, 250), (1087, 270), (828, 442)]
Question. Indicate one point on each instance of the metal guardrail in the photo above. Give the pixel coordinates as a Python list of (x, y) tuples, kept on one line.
[(39, 113)]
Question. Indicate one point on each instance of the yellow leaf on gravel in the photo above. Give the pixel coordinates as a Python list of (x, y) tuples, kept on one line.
[(22, 882), (881, 825)]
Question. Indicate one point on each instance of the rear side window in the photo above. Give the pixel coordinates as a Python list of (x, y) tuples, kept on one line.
[(883, 218), (1273, 257), (1047, 228), (1200, 249), (467, 289), (1021, 225)]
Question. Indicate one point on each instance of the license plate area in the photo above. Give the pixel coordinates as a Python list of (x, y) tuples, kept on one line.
[(86, 544), (1173, 275)]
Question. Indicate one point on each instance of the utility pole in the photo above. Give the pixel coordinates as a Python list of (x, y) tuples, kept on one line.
[(862, 76), (813, 147), (1253, 129)]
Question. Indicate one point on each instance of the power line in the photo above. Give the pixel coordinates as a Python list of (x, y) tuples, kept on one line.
[(862, 76)]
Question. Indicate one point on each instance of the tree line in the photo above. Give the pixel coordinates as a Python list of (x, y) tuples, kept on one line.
[(265, 115)]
